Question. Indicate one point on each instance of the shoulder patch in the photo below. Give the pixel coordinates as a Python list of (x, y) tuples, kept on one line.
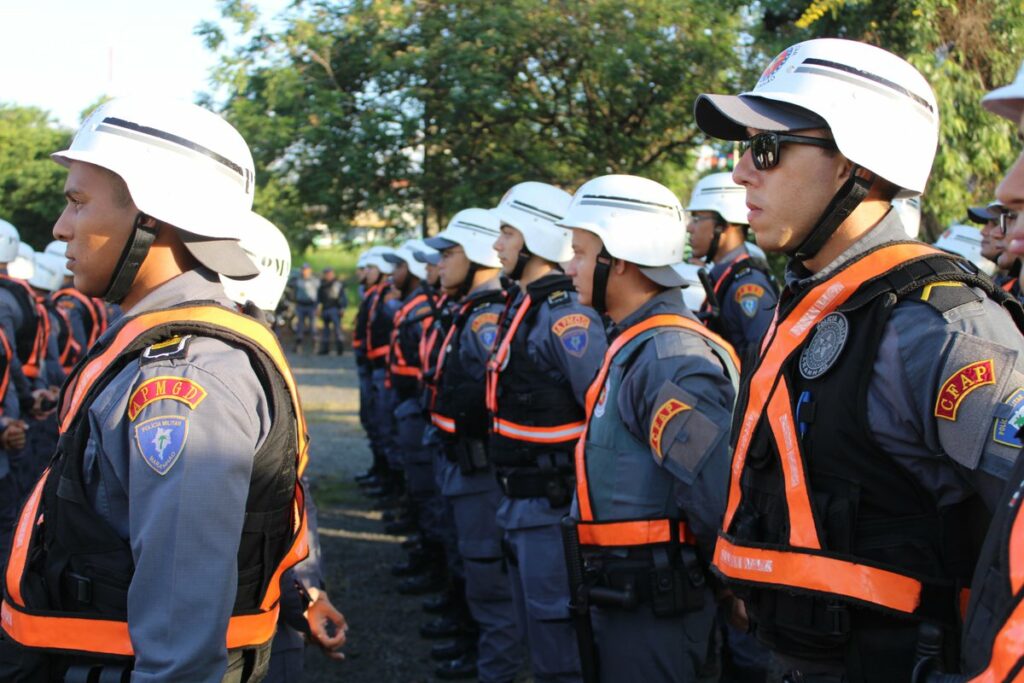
[(170, 349), (665, 412), (960, 384), (559, 298), (1009, 420), (485, 327), (571, 330), (159, 388), (748, 296), (945, 296), (161, 440)]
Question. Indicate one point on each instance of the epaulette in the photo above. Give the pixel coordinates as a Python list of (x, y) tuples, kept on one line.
[(945, 296), (558, 298), (169, 349)]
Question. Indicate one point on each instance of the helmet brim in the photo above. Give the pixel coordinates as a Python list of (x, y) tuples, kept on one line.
[(666, 276), (224, 256), (439, 243), (727, 117)]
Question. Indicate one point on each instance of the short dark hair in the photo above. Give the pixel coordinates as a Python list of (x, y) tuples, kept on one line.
[(122, 196)]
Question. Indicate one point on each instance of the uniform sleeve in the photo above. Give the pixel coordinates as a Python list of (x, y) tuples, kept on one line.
[(572, 341), (747, 311), (678, 400), (944, 394), (189, 466)]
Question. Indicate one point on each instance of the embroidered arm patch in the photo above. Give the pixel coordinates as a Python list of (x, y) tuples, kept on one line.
[(161, 440), (681, 437), (165, 387), (485, 327), (572, 332)]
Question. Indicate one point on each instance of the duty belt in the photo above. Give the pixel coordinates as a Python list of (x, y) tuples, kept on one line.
[(556, 486)]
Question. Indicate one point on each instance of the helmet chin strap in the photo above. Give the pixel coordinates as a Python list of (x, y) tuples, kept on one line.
[(467, 282), (849, 196), (599, 282), (715, 238), (132, 256), (521, 260)]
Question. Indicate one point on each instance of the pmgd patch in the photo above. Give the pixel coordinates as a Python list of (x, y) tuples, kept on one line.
[(665, 412), (571, 330), (159, 388), (825, 346), (1005, 429), (161, 440), (748, 296), (960, 383), (485, 327)]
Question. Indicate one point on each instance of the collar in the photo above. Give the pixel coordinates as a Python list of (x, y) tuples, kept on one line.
[(889, 229), (198, 284), (669, 301)]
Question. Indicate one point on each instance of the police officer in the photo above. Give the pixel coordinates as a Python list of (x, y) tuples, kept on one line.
[(548, 350), (333, 301), (172, 504), (366, 290), (306, 609), (469, 267), (743, 292), (865, 460), (306, 287), (652, 463), (88, 316)]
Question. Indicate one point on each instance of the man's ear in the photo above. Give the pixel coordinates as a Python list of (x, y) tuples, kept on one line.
[(619, 266)]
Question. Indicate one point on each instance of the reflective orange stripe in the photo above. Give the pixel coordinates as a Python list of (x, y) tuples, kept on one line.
[(6, 378), (768, 390), (594, 390), (97, 311), (706, 306), (639, 532), (397, 364), (818, 573), (405, 371), (110, 636), (445, 424), (1008, 285), (1017, 553), (785, 337), (802, 531), (373, 352), (378, 352), (31, 366), (494, 366), (555, 434)]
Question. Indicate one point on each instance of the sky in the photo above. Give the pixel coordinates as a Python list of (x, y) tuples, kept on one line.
[(63, 55)]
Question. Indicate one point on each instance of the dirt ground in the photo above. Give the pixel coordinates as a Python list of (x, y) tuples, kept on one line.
[(383, 644)]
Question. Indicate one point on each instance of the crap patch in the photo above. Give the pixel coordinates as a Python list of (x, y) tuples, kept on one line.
[(666, 412), (572, 332), (769, 74), (158, 388), (962, 382), (161, 440), (1005, 429), (748, 296), (485, 327)]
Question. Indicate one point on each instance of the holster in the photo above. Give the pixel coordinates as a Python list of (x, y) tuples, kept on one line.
[(556, 486), (670, 579), (469, 454)]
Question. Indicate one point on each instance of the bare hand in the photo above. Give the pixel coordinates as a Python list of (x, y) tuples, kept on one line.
[(738, 615), (13, 436), (321, 613)]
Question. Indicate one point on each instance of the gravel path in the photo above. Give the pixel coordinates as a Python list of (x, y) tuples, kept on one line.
[(382, 644)]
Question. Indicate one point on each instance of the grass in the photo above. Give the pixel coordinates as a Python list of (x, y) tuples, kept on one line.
[(329, 491)]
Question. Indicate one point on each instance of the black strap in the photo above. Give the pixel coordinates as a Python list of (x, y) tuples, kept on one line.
[(132, 256), (849, 196), (602, 269), (521, 260)]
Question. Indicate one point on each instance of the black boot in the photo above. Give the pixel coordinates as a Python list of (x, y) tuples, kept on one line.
[(447, 627), (452, 649), (457, 669)]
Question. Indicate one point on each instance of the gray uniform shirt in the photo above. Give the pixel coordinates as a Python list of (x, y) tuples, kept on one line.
[(921, 355), (184, 525)]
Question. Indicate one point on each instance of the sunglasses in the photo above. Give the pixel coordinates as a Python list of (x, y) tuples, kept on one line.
[(1005, 221), (764, 147)]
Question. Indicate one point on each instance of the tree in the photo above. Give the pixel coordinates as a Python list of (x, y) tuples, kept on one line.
[(964, 48), (363, 105), (31, 184)]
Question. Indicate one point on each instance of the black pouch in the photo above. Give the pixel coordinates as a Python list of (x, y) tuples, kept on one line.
[(472, 455), (676, 587)]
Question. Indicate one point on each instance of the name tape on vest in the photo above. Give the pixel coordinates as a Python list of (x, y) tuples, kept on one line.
[(159, 388), (962, 382)]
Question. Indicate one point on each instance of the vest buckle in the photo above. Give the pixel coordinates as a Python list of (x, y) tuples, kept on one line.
[(80, 588), (837, 618)]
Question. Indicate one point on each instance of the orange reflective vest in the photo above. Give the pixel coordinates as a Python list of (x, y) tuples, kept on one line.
[(805, 563), (31, 344), (444, 422), (37, 626), (600, 532), (380, 351), (96, 309), (398, 365)]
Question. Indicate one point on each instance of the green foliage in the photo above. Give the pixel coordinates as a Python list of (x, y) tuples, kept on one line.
[(964, 48), (31, 184), (385, 106)]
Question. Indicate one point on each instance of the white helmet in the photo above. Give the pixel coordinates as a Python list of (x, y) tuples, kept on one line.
[(475, 230), (407, 253), (1007, 101), (268, 248), (24, 264), (58, 248), (375, 258), (718, 192), (880, 109), (965, 240), (9, 241), (532, 209), (638, 220), (47, 272), (909, 210), (183, 165)]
